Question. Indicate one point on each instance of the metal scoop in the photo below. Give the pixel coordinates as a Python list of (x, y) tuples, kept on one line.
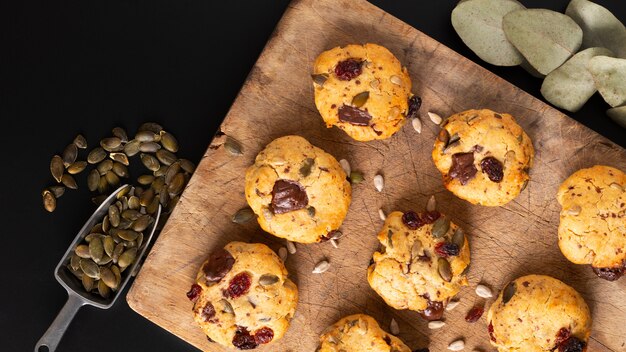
[(77, 296)]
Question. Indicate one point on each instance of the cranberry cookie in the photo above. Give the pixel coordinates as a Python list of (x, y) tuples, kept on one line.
[(592, 229), (242, 296), (537, 313), (484, 156), (364, 90), (298, 191), (421, 264), (359, 333)]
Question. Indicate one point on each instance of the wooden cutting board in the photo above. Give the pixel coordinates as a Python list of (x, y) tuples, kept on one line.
[(277, 99)]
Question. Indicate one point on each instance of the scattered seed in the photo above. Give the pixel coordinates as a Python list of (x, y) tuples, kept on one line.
[(111, 144), (80, 142), (321, 267), (146, 136), (345, 165), (311, 211), (169, 142), (132, 147), (151, 126), (616, 186), (57, 191), (436, 119), (96, 155), (435, 324), (49, 201), (356, 177), (382, 215), (150, 162), (104, 166), (282, 254), (334, 243), (112, 178), (509, 292), (451, 305), (69, 154), (57, 167), (69, 181), (243, 215), (120, 158), (76, 167), (457, 345), (291, 247), (177, 184), (393, 327), (149, 147), (574, 211), (379, 182), (396, 80), (120, 170), (431, 205), (483, 291), (187, 165), (417, 124), (232, 146), (444, 137), (336, 235)]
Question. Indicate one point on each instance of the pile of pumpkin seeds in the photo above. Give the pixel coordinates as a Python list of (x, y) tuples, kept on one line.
[(152, 145), (546, 44), (112, 244)]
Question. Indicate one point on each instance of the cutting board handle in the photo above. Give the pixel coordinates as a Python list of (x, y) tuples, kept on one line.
[(55, 332)]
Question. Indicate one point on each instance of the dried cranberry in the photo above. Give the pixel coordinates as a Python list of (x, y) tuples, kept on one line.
[(348, 69), (562, 335), (243, 340), (609, 274), (263, 335), (218, 265), (430, 217), (572, 344), (433, 311), (493, 168), (463, 167), (238, 285), (288, 196), (412, 220), (474, 314), (414, 105), (354, 116), (447, 249), (208, 312), (491, 334), (194, 292)]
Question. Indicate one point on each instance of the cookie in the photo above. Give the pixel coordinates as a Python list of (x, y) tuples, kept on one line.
[(484, 156), (421, 263), (592, 228), (242, 296), (298, 191), (537, 313), (363, 90), (359, 333)]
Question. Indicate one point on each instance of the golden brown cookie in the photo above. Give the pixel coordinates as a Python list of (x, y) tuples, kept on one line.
[(484, 156), (421, 264), (242, 296), (592, 229), (538, 313), (359, 333), (298, 191), (364, 90)]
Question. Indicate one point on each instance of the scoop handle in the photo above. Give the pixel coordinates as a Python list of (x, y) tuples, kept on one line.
[(55, 332)]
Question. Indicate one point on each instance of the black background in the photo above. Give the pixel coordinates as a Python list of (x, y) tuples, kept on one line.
[(88, 66)]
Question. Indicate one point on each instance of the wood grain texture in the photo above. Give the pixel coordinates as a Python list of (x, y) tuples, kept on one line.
[(277, 99)]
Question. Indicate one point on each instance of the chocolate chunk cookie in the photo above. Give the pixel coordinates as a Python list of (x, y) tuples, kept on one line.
[(592, 228), (364, 90), (242, 296), (484, 156), (298, 191), (537, 313), (359, 333), (422, 262)]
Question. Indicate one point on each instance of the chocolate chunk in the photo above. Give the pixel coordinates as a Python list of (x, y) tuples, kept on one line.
[(208, 312), (433, 311), (354, 116), (609, 274), (218, 265), (493, 168), (463, 168), (243, 340), (414, 105), (288, 196)]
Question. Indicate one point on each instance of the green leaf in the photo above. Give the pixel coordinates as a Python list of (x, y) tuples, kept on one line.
[(609, 75), (618, 115), (545, 38), (571, 85), (600, 27), (479, 24)]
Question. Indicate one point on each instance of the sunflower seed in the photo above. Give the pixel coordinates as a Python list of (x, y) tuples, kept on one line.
[(417, 124), (616, 186), (187, 165), (381, 215), (394, 329), (457, 345), (360, 99), (374, 84), (396, 80), (151, 126), (120, 158), (232, 146), (483, 291), (451, 305), (436, 119), (132, 147), (80, 142), (146, 136), (435, 324), (440, 227), (243, 215), (96, 155), (177, 184), (291, 247), (268, 279), (96, 249), (282, 254), (320, 78), (334, 243), (88, 283), (444, 269), (111, 144), (149, 147), (574, 211), (112, 178), (69, 181), (321, 267), (431, 205), (57, 167), (345, 165), (508, 292), (90, 268), (169, 142), (49, 201), (379, 182), (69, 154), (127, 258)]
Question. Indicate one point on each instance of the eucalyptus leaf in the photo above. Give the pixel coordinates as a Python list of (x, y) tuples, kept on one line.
[(546, 38), (571, 85), (609, 75), (618, 115), (530, 69), (479, 24), (600, 27)]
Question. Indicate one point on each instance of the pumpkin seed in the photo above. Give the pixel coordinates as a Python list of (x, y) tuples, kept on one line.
[(600, 27), (360, 99), (76, 167), (69, 181), (166, 157), (169, 142), (431, 205), (444, 137), (320, 78), (243, 215), (417, 124), (117, 251), (118, 275), (177, 184), (389, 238), (394, 329), (145, 179), (268, 279), (232, 146), (459, 237), (120, 170), (483, 291), (436, 119), (146, 197), (618, 115), (321, 267), (226, 306), (108, 245), (132, 147), (97, 200), (49, 201), (131, 214), (80, 142), (103, 185), (88, 283), (128, 235), (108, 277), (545, 38), (154, 206), (114, 215), (75, 261), (120, 158), (508, 292), (151, 126), (57, 168), (379, 182), (82, 251), (149, 147), (104, 166), (305, 169), (609, 75), (69, 154), (444, 269), (187, 165), (133, 203), (111, 144), (146, 136), (112, 178), (479, 24), (356, 177), (120, 133), (571, 85), (93, 235), (96, 155), (150, 162), (96, 249), (127, 258), (171, 171), (103, 289), (441, 227), (141, 223), (90, 268), (161, 171), (435, 324)]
